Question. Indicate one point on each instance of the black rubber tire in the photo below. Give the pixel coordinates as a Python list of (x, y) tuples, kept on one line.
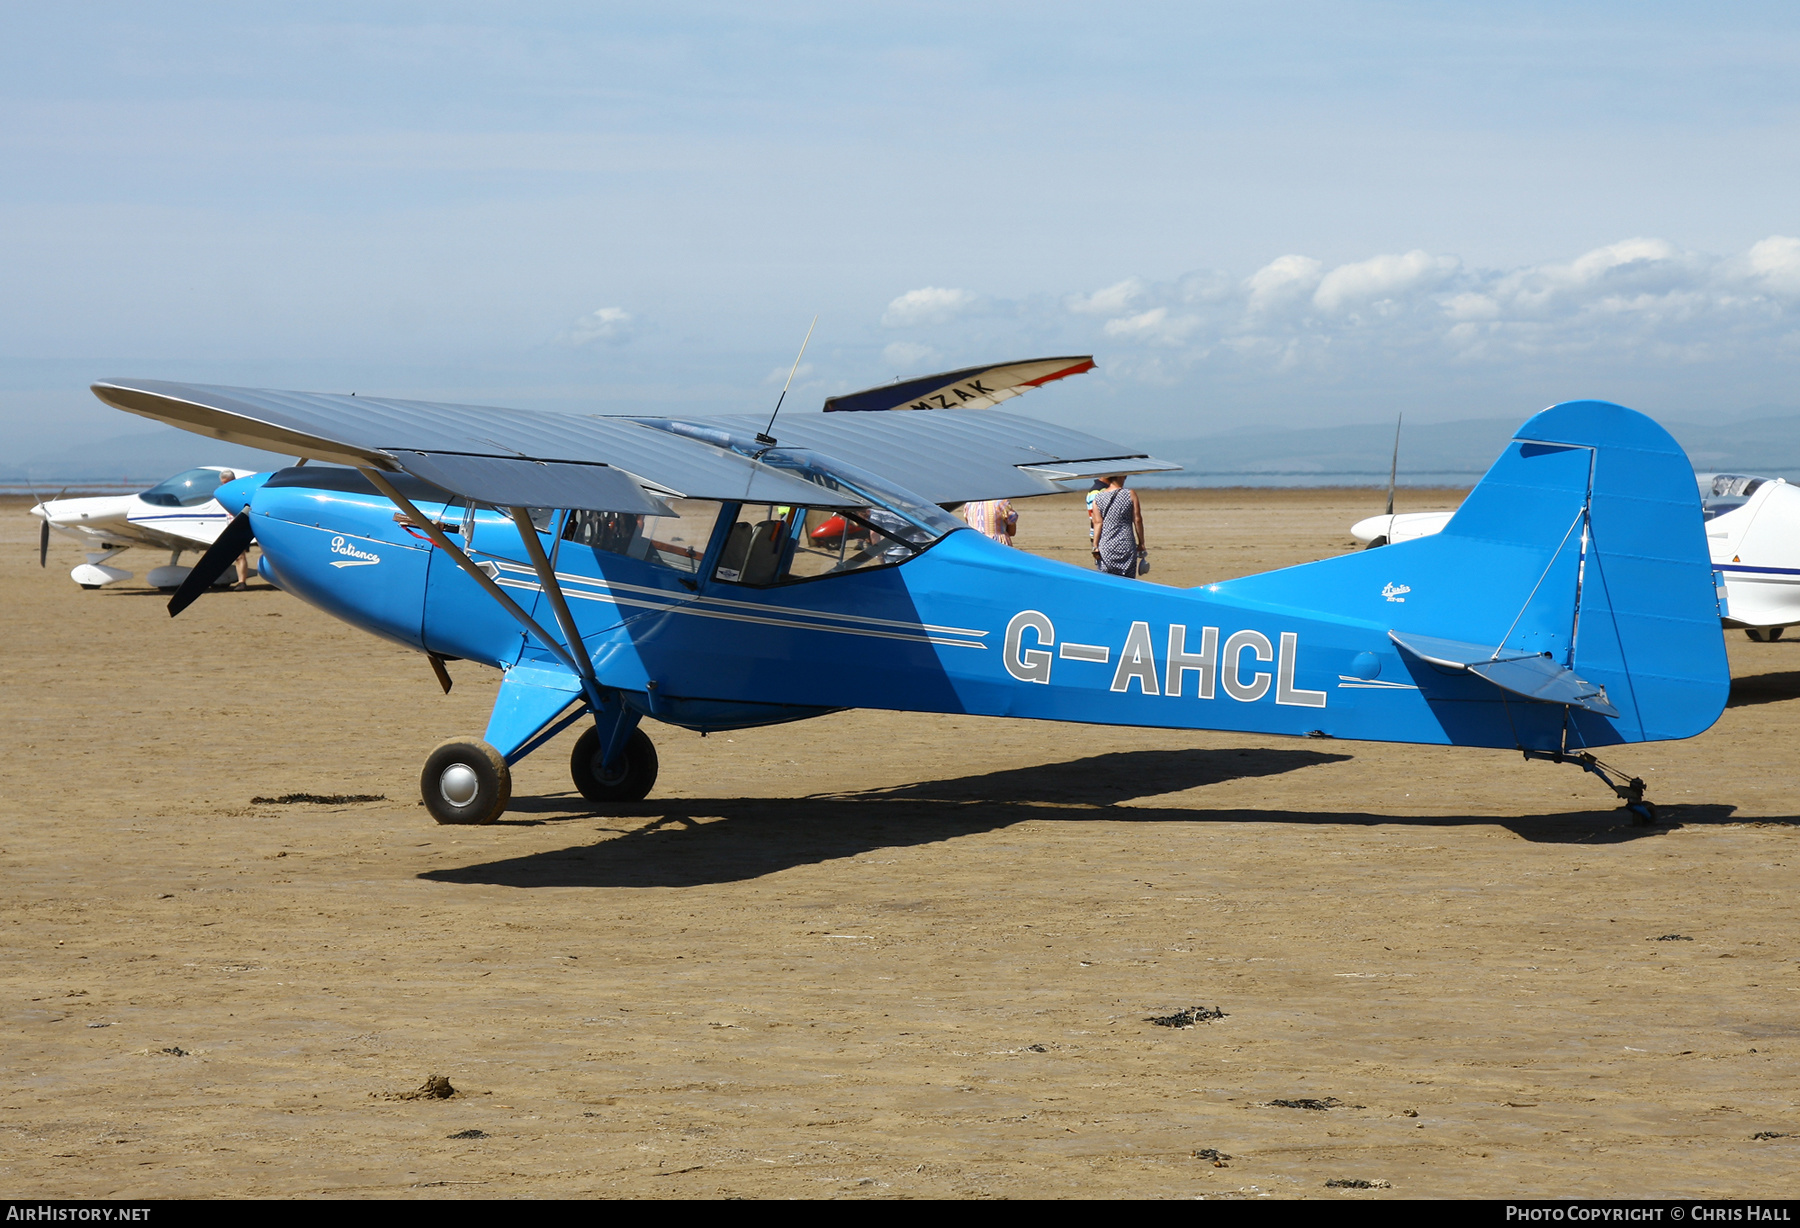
[(90, 587), (1379, 541), (630, 781), (491, 777), (1764, 635), (1643, 814), (1775, 633)]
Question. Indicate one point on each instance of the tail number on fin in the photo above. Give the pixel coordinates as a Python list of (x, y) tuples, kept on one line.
[(1135, 663)]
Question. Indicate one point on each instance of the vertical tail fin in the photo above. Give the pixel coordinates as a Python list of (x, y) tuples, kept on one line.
[(1584, 543)]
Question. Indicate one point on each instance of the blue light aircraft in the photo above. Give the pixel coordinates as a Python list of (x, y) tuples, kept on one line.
[(701, 574)]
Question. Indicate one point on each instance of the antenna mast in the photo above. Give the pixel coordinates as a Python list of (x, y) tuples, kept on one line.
[(1394, 469), (763, 436)]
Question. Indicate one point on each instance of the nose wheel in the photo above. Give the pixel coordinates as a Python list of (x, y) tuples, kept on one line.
[(465, 782), (628, 780)]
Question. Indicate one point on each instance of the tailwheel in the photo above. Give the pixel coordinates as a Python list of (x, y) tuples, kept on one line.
[(630, 779), (466, 782)]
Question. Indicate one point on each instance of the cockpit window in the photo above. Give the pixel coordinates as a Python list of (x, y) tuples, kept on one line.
[(771, 544), (842, 485), (899, 513), (1730, 491), (189, 488), (677, 541)]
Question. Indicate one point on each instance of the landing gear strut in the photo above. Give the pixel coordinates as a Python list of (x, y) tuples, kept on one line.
[(1629, 788)]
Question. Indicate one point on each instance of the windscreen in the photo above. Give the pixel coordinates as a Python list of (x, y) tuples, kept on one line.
[(189, 488), (1729, 492)]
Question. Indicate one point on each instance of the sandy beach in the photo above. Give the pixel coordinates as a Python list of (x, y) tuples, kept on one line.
[(874, 955)]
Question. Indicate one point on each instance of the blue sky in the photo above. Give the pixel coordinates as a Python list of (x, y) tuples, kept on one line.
[(1277, 214)]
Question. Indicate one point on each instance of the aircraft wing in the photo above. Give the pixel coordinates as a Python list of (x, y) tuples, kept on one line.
[(969, 388), (392, 435), (609, 463), (955, 456)]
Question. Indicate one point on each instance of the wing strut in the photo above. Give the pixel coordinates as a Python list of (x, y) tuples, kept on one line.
[(436, 534), (547, 577)]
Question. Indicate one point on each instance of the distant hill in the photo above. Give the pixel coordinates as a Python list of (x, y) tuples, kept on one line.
[(1439, 453), (1431, 454), (140, 458)]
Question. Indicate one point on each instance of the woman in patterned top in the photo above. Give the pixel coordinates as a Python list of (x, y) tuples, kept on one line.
[(993, 518), (1118, 524)]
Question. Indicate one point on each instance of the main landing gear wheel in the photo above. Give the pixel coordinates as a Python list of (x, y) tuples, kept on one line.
[(631, 777), (1764, 635), (466, 782)]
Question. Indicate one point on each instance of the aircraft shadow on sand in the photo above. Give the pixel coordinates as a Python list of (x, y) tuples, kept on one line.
[(747, 838), (1764, 688)]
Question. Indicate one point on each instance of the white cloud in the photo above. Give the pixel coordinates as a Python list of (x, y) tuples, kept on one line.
[(1154, 325), (1382, 277), (1281, 282), (1471, 306), (1776, 260), (927, 305), (611, 325), (908, 356), (780, 374), (1112, 300), (1641, 304)]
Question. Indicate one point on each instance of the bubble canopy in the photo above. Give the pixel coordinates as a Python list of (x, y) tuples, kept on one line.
[(189, 488)]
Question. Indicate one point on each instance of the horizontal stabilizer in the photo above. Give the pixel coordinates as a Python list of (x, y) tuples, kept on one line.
[(1533, 675), (506, 482)]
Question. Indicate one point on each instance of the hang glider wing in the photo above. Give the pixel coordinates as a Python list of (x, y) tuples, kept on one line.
[(1532, 675), (969, 388), (546, 459)]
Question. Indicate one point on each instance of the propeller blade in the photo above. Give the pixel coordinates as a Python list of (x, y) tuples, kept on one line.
[(221, 554), (43, 542)]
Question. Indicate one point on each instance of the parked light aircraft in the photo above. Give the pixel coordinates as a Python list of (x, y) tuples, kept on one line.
[(618, 568), (1752, 534), (178, 515)]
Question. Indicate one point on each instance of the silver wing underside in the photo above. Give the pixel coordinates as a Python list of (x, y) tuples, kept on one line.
[(951, 456)]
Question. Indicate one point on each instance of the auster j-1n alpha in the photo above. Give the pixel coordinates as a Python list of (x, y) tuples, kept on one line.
[(698, 573)]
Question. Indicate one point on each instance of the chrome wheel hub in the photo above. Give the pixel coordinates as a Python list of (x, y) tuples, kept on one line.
[(459, 784)]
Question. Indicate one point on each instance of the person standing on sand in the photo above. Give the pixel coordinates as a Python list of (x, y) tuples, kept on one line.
[(993, 518), (243, 560), (1118, 524)]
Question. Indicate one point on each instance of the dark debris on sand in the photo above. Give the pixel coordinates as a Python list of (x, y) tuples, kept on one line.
[(1356, 1183), (318, 799), (1187, 1018), (435, 1087), (1309, 1102), (469, 1134)]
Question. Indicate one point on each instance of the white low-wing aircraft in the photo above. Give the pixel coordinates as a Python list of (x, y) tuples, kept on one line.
[(179, 515), (1752, 534)]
